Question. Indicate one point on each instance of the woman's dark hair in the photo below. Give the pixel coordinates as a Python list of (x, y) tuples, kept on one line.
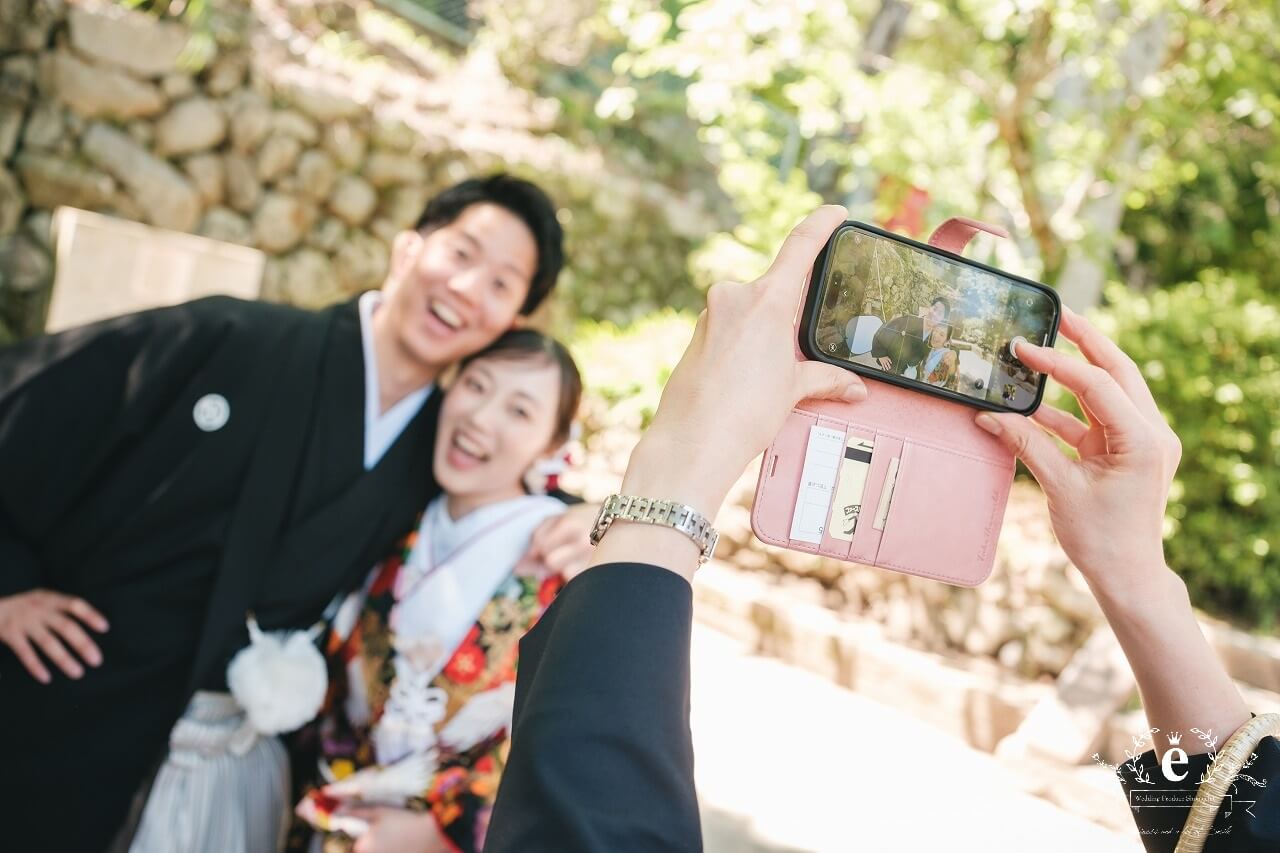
[(946, 306), (527, 202), (528, 345)]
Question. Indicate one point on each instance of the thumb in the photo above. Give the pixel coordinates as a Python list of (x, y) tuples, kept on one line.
[(1029, 443), (819, 381)]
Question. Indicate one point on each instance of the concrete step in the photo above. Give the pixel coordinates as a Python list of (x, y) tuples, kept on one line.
[(787, 761)]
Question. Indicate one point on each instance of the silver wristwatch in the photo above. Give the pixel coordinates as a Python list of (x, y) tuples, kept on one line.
[(682, 517)]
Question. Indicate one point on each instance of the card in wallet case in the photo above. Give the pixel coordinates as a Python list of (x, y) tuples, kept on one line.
[(932, 491)]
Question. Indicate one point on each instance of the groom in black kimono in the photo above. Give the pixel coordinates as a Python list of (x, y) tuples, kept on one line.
[(903, 342), (165, 472)]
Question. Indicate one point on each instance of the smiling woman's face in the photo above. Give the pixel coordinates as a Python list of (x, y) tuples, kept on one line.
[(497, 419)]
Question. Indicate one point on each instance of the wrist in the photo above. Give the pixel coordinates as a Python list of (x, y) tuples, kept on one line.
[(1132, 596), (633, 542), (677, 470)]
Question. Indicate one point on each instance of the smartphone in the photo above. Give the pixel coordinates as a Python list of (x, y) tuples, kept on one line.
[(904, 312)]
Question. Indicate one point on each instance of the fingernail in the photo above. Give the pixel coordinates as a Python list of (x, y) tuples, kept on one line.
[(857, 391), (95, 659), (989, 423)]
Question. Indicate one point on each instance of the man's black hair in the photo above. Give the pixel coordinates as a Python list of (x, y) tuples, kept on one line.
[(946, 306), (524, 199)]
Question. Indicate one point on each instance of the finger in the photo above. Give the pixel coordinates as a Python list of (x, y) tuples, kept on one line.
[(1097, 391), (1105, 353), (570, 559), (87, 614), (56, 652), (820, 381), (1032, 445), (1064, 425), (794, 261), (73, 635), (30, 660), (561, 530), (541, 536)]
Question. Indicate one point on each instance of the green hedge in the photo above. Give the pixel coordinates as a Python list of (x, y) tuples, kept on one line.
[(1211, 352), (624, 369)]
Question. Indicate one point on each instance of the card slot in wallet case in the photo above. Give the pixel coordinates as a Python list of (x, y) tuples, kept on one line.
[(847, 500), (939, 482), (866, 538)]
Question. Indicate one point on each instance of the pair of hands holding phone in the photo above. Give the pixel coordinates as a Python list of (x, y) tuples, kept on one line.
[(739, 379)]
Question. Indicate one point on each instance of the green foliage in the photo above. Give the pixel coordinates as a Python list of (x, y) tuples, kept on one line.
[(625, 369), (1036, 115), (1208, 192), (1210, 351), (625, 259)]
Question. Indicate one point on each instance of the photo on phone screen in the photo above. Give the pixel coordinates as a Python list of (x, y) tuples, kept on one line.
[(930, 320)]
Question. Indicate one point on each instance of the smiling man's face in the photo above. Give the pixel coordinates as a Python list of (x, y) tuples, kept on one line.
[(454, 290)]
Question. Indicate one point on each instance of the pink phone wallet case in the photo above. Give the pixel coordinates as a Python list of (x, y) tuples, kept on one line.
[(925, 488)]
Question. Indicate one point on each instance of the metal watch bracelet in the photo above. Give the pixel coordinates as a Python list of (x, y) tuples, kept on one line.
[(677, 516)]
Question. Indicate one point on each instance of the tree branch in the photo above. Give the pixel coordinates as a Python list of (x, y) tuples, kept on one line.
[(1030, 66)]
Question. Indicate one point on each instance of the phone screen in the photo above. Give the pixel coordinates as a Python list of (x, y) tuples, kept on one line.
[(931, 321)]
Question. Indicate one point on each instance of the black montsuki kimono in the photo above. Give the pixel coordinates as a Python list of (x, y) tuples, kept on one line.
[(111, 489)]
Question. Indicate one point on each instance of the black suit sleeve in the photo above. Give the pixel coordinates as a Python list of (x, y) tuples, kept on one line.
[(1241, 826), (601, 756), (68, 403)]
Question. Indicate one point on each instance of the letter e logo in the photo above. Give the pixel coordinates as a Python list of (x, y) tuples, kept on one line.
[(1175, 756)]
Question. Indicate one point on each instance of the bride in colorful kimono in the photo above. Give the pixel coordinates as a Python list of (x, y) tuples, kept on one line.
[(413, 736)]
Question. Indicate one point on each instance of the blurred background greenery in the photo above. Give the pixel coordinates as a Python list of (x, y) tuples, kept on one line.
[(1131, 147)]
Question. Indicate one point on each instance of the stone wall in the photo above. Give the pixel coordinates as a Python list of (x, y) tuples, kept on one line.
[(258, 132)]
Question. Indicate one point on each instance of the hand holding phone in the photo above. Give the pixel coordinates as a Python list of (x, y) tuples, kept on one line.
[(904, 480), (921, 317)]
